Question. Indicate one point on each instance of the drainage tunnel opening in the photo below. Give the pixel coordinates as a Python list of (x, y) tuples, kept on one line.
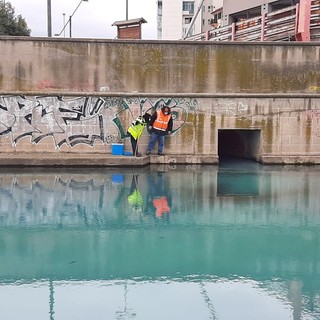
[(239, 143)]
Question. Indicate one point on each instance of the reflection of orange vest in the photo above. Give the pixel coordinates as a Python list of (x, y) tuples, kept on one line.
[(161, 122), (161, 205)]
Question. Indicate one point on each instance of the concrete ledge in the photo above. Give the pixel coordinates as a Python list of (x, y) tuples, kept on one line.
[(19, 159), (97, 160), (70, 159), (290, 159), (184, 159)]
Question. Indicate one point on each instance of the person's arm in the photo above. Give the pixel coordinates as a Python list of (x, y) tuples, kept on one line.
[(153, 119), (170, 125)]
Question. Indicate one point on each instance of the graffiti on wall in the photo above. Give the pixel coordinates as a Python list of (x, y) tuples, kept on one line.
[(314, 88), (314, 115), (80, 120), (231, 107), (55, 193)]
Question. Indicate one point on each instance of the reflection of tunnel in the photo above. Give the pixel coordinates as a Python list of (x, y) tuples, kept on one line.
[(239, 143)]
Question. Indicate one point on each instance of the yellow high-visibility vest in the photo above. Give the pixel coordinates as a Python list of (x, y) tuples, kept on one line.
[(136, 130)]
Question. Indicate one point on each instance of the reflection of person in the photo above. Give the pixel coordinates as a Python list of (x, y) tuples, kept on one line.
[(159, 199), (135, 131), (161, 124), (135, 199)]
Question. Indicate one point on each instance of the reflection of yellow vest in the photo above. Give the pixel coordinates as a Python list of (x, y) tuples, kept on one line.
[(136, 130), (135, 199), (162, 121)]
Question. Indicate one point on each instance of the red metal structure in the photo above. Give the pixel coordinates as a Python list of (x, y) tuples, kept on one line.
[(300, 22), (303, 21)]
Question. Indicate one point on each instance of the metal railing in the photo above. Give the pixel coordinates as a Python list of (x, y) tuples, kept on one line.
[(280, 25)]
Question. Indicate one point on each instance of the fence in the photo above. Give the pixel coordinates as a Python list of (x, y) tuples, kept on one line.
[(282, 25)]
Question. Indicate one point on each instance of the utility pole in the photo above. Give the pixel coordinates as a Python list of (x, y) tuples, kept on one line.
[(70, 20), (49, 18), (127, 10), (70, 27)]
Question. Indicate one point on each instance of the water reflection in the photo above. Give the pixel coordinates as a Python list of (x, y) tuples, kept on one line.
[(124, 243), (238, 178), (166, 299)]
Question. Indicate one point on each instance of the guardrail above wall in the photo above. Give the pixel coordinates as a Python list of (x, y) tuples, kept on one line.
[(295, 23)]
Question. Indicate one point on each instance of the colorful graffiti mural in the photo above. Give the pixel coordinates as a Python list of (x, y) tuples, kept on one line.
[(80, 120)]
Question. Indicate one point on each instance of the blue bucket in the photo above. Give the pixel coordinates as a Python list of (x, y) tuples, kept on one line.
[(117, 178), (117, 149)]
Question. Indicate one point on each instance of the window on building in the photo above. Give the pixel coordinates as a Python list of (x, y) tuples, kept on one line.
[(278, 5), (216, 20), (188, 6), (247, 14), (216, 17), (187, 20)]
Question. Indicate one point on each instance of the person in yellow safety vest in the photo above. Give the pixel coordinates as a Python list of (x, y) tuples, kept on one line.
[(160, 124), (135, 131), (135, 199)]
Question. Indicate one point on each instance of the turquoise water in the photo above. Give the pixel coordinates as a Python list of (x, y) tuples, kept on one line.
[(235, 241)]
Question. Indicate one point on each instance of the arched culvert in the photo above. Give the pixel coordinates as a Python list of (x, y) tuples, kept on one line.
[(239, 143)]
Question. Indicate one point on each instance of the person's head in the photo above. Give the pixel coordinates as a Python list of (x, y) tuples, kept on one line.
[(165, 110), (147, 117)]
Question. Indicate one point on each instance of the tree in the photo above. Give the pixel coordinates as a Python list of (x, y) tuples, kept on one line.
[(10, 24)]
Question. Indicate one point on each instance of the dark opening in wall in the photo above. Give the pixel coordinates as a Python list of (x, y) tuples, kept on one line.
[(239, 143)]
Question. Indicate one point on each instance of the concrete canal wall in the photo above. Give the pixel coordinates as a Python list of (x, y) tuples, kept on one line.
[(78, 96)]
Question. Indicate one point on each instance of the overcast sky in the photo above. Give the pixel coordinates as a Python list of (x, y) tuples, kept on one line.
[(93, 19)]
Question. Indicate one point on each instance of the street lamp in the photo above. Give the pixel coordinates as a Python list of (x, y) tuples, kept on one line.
[(69, 20)]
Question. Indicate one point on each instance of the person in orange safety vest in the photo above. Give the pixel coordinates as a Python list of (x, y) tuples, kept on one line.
[(161, 205), (161, 125), (158, 199)]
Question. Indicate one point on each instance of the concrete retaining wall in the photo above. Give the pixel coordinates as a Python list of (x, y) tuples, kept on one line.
[(258, 101)]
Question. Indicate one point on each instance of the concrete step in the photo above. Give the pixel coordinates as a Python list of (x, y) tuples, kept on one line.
[(98, 159)]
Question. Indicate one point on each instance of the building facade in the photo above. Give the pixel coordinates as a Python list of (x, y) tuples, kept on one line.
[(234, 11), (176, 18), (179, 19)]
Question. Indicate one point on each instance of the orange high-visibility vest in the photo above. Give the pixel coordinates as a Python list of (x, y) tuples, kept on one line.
[(161, 205), (161, 122)]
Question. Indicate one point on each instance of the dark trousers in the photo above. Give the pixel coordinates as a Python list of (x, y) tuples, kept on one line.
[(134, 145), (154, 137)]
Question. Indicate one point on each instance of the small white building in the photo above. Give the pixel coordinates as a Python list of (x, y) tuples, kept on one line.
[(174, 18)]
